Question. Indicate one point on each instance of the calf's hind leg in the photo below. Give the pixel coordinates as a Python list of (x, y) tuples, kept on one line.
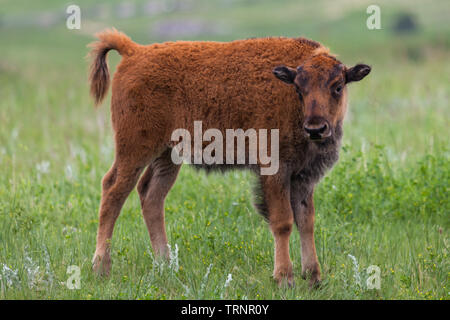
[(153, 188), (116, 186)]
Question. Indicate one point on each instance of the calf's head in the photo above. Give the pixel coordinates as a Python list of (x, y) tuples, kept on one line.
[(321, 86)]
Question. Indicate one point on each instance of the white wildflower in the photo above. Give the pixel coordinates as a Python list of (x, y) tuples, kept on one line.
[(158, 265), (227, 283), (69, 230), (78, 152), (48, 269), (43, 167), (356, 275), (8, 276), (14, 134), (69, 172), (187, 290), (33, 272), (173, 258), (205, 279)]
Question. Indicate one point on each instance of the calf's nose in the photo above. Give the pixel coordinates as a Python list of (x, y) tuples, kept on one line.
[(317, 131)]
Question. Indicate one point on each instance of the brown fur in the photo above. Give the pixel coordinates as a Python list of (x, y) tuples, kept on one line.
[(161, 87)]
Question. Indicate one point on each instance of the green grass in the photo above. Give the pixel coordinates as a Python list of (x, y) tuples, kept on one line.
[(385, 202)]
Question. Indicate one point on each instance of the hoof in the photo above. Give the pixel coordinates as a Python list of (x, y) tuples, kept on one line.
[(284, 278), (313, 274), (315, 283), (101, 266)]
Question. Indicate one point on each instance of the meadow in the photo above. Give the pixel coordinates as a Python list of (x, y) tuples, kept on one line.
[(385, 203)]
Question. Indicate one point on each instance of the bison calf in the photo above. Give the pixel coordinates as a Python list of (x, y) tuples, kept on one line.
[(293, 85)]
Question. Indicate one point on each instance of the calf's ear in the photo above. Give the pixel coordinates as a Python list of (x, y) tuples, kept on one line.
[(357, 73), (285, 74)]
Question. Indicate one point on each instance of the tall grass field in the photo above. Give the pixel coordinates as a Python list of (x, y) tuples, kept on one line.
[(384, 204)]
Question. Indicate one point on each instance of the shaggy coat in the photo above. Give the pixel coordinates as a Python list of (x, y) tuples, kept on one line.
[(159, 88)]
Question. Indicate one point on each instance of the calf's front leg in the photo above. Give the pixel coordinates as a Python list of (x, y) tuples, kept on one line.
[(304, 218), (280, 216)]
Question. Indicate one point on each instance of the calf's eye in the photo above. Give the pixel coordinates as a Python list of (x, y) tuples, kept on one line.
[(338, 90)]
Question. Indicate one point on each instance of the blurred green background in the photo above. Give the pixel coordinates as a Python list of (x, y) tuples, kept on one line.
[(386, 201), (403, 104)]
